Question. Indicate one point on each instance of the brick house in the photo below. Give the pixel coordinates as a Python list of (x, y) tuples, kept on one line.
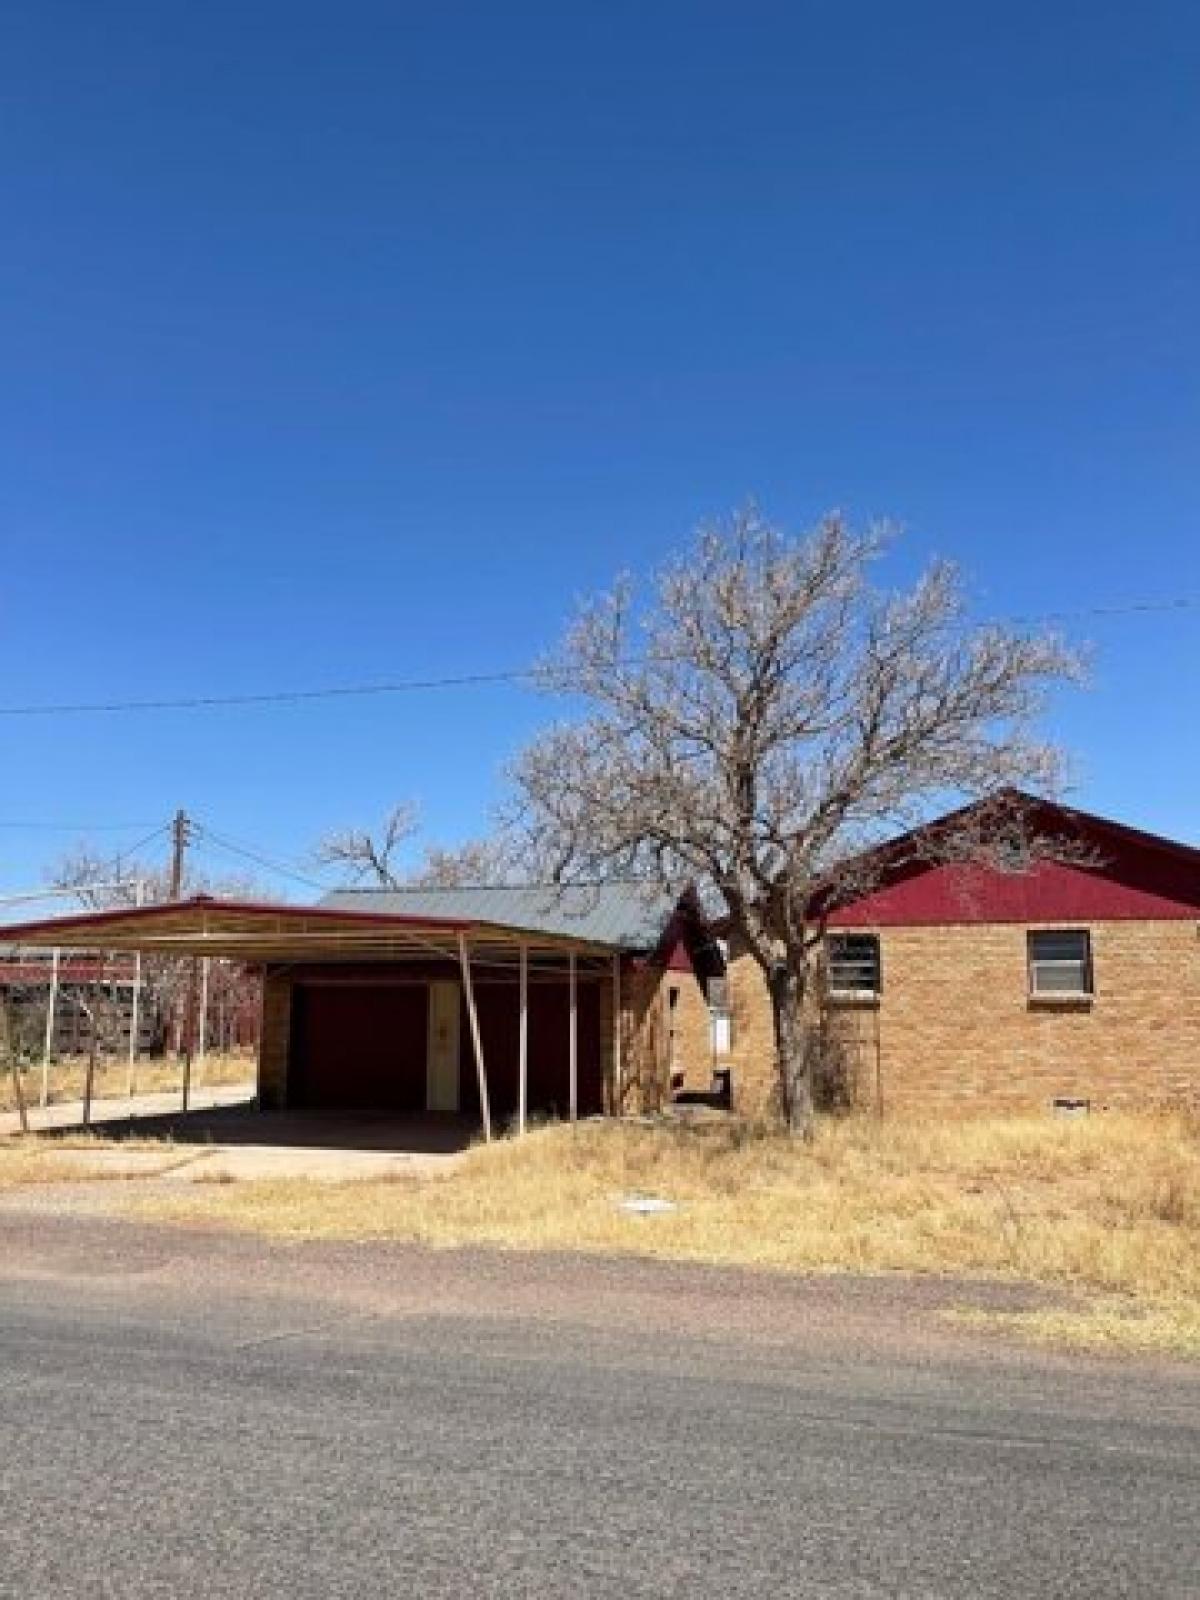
[(948, 988), (955, 988)]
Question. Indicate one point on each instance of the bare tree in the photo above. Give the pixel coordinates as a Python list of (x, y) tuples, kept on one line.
[(371, 857), (765, 721), (487, 861), (105, 883)]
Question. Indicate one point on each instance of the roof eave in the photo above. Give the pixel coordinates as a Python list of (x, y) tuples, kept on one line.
[(256, 930)]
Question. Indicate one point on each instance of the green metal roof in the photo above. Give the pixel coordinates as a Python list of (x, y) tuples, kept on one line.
[(627, 916)]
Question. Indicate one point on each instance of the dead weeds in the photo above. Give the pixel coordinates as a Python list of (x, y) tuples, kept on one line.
[(1108, 1205), (152, 1075), (27, 1159)]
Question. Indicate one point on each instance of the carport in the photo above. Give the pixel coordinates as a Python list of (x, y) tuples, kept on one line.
[(380, 1010)]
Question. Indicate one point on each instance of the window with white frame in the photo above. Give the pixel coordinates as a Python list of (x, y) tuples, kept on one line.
[(1060, 963), (720, 1019), (853, 964)]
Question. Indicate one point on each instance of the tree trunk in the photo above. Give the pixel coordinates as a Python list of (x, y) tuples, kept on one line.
[(792, 1060)]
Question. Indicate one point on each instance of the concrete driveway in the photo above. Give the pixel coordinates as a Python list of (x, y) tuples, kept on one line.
[(225, 1138)]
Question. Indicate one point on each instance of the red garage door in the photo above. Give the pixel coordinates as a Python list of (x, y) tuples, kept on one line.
[(359, 1046), (549, 1049)]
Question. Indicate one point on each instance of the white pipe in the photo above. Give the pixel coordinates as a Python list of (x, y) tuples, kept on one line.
[(135, 1015), (202, 1041), (473, 1018), (135, 1005), (48, 1039)]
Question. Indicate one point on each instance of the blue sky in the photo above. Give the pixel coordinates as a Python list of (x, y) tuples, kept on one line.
[(355, 342)]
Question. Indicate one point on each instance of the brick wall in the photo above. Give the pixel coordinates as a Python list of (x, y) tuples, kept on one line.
[(648, 1022), (273, 1040), (693, 1031), (644, 1080), (752, 1036), (955, 1031)]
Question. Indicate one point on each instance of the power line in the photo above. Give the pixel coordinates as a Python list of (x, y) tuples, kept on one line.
[(1137, 608), (207, 835), (474, 680), (80, 827), (132, 849), (274, 697), (192, 829)]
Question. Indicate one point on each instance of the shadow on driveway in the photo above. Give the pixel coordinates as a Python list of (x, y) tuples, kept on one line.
[(430, 1134)]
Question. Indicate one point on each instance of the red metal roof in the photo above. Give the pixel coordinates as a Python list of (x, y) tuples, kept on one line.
[(41, 933), (1046, 892), (1136, 876)]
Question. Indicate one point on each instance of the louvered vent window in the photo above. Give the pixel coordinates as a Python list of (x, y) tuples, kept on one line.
[(1060, 962), (854, 966)]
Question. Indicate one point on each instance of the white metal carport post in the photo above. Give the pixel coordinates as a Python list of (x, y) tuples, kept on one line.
[(523, 1043), (48, 1040), (473, 1018), (135, 1009), (202, 1032), (135, 1023)]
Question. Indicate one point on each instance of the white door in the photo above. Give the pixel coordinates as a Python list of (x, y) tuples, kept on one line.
[(441, 1077)]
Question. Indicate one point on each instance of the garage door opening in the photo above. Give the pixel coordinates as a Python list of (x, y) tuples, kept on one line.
[(359, 1047), (405, 1046)]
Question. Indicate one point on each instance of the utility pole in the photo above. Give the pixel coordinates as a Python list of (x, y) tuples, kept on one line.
[(181, 836)]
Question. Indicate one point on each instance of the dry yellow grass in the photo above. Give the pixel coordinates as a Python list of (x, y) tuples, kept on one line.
[(1107, 1204), (82, 1157), (112, 1077), (1104, 1324)]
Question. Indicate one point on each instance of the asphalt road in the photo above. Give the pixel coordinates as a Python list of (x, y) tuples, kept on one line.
[(182, 1415)]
